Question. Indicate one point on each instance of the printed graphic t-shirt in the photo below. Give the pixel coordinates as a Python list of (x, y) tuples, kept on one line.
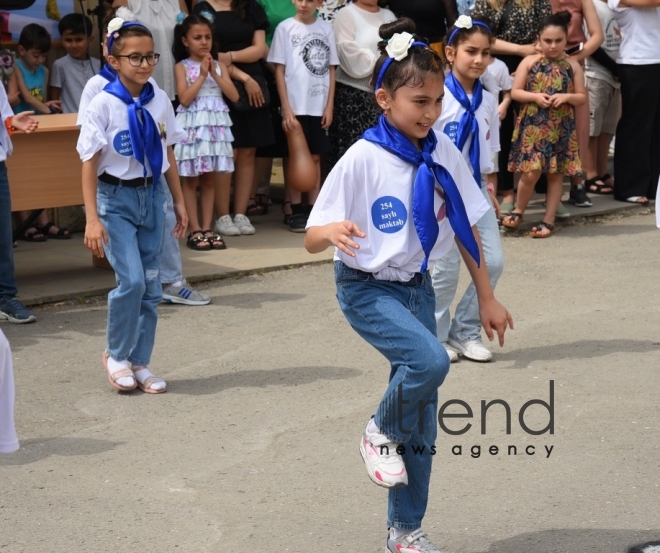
[(373, 188), (307, 52)]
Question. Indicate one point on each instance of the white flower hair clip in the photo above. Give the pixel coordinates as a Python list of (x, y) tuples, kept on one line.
[(114, 25), (398, 46), (397, 49), (466, 22)]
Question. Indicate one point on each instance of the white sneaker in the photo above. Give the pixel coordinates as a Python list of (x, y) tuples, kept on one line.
[(474, 350), (415, 542), (226, 227), (453, 354), (384, 466), (243, 224)]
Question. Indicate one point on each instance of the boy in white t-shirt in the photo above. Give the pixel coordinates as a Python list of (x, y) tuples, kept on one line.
[(498, 81), (305, 56)]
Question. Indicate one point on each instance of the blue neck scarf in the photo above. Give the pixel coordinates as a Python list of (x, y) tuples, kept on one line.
[(468, 124), (108, 73), (142, 129), (428, 172)]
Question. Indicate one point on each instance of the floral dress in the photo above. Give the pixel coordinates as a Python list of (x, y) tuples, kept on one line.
[(546, 139), (207, 148)]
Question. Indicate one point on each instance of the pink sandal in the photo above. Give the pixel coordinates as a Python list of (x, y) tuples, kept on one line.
[(124, 373)]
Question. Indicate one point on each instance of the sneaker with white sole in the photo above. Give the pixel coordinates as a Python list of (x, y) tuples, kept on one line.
[(243, 224), (562, 212), (474, 350), (384, 465), (415, 542), (12, 310), (184, 294), (578, 197), (453, 354), (226, 227)]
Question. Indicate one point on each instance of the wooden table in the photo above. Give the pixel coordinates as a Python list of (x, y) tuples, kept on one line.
[(45, 170)]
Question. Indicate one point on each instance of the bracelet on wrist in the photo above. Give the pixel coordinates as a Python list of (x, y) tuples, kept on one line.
[(10, 128)]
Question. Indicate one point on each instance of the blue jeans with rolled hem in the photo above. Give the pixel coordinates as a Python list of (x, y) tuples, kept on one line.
[(170, 261), (134, 219), (397, 319), (466, 324), (7, 280)]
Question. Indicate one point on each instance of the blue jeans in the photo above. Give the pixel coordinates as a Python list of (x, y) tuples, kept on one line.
[(397, 319), (170, 261), (466, 324), (7, 280), (134, 219)]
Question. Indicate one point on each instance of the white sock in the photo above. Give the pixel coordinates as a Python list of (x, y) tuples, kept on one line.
[(142, 373), (116, 366), (372, 428), (177, 283), (396, 533)]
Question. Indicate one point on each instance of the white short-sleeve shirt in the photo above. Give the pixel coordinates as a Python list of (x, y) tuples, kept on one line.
[(640, 34), (105, 129), (501, 77), (373, 188), (489, 127), (6, 147), (95, 85), (307, 52)]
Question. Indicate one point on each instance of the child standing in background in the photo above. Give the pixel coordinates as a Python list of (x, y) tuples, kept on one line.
[(70, 74), (304, 52), (31, 78), (204, 115), (549, 86)]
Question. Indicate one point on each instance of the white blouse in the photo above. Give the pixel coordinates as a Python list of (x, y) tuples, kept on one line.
[(356, 32)]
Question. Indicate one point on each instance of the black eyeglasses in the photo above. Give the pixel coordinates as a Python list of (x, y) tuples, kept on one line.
[(136, 59)]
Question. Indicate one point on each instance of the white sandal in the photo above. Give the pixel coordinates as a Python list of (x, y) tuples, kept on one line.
[(124, 373)]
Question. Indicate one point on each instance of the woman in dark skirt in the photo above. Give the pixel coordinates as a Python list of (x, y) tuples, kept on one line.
[(356, 31), (240, 33)]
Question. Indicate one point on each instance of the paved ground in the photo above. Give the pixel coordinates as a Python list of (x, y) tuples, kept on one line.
[(255, 446)]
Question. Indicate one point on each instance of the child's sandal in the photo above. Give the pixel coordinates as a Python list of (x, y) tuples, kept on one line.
[(538, 227), (215, 240), (198, 242), (512, 220), (594, 188)]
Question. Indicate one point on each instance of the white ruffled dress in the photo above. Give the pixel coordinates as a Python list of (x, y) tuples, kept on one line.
[(207, 123)]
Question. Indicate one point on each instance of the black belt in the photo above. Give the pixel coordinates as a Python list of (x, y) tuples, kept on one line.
[(131, 183)]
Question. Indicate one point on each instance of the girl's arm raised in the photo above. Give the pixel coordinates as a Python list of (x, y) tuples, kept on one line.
[(187, 93), (174, 184), (225, 83), (318, 239), (95, 233), (493, 314), (518, 92)]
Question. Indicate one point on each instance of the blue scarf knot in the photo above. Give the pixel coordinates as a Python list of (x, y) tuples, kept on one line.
[(468, 124), (428, 173), (142, 129)]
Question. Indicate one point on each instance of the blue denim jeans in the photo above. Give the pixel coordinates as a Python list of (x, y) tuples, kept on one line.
[(397, 319), (170, 261), (466, 324), (134, 219), (7, 280)]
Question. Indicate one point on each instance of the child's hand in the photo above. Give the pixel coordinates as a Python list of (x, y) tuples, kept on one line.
[(501, 111), (179, 230), (339, 234), (495, 316), (496, 204), (95, 237), (326, 120), (289, 121), (205, 65), (23, 122), (544, 100), (54, 105), (559, 100)]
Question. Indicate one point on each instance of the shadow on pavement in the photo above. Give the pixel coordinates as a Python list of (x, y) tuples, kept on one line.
[(579, 541), (583, 349), (254, 301), (38, 449), (289, 376)]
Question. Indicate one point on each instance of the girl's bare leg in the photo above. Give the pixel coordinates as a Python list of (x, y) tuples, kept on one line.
[(189, 186), (222, 193), (243, 178), (206, 198)]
